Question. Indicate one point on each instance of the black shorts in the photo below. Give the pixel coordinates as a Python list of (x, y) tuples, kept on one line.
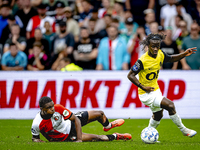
[(83, 116)]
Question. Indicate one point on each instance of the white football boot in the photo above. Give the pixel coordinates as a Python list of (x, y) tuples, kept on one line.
[(189, 132)]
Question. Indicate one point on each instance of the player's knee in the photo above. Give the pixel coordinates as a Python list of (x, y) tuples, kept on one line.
[(100, 113), (171, 106)]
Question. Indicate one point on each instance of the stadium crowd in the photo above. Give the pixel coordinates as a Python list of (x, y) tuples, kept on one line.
[(76, 35)]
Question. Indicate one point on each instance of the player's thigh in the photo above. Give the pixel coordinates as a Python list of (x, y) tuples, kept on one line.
[(94, 115), (83, 117)]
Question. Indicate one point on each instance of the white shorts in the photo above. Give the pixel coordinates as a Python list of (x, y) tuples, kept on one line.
[(152, 99)]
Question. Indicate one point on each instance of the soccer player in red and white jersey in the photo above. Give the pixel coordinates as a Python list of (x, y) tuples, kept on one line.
[(56, 123)]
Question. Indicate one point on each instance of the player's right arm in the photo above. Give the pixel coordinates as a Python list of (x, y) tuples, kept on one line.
[(35, 132), (137, 67), (77, 123)]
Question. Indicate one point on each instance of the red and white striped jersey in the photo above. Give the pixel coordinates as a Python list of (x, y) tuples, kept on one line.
[(57, 128), (36, 22)]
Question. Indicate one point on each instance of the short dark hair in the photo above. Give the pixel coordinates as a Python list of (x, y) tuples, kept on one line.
[(11, 44), (107, 15), (5, 5), (37, 43), (84, 28), (146, 42), (44, 100)]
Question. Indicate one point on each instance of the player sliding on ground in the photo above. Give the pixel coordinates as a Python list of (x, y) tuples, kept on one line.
[(147, 67), (56, 123)]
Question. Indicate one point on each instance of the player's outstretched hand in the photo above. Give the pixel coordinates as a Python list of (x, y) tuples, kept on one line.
[(190, 51)]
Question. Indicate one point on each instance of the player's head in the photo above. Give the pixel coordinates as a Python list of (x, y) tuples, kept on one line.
[(153, 41), (47, 106)]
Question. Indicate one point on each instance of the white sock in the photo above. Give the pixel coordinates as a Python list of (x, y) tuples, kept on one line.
[(177, 120), (108, 126), (153, 123), (115, 135)]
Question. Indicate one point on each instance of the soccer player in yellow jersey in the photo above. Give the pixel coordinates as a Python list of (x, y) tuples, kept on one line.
[(147, 67)]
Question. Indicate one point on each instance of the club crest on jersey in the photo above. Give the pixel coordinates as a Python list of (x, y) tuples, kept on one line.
[(56, 118), (65, 113)]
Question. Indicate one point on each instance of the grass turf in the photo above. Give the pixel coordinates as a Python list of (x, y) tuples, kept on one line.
[(16, 135)]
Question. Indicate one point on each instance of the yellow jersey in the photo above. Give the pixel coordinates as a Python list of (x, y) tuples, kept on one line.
[(148, 69)]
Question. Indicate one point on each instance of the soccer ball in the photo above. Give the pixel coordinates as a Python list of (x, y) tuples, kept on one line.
[(149, 135)]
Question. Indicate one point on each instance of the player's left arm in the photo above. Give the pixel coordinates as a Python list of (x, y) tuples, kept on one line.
[(77, 122), (177, 57), (36, 138)]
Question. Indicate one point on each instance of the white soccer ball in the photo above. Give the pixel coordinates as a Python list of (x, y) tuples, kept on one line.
[(149, 135)]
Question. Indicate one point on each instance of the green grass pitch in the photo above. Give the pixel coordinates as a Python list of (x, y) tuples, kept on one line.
[(16, 135)]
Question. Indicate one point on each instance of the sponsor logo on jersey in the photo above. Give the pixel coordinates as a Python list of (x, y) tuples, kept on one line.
[(65, 113)]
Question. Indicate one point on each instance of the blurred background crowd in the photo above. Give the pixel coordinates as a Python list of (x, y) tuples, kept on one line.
[(76, 35)]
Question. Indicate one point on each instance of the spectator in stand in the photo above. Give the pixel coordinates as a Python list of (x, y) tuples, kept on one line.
[(37, 37), (168, 11), (195, 11), (38, 59), (184, 33), (25, 14), (112, 52), (85, 51), (115, 22), (129, 32), (60, 14), (49, 35), (66, 65), (108, 20), (18, 40), (134, 48), (169, 46), (99, 23), (94, 35), (136, 8), (149, 18), (72, 24), (4, 13), (119, 10), (51, 6), (154, 27), (63, 45), (174, 21), (176, 31), (6, 33), (14, 59), (107, 9), (84, 9), (38, 21), (192, 62)]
